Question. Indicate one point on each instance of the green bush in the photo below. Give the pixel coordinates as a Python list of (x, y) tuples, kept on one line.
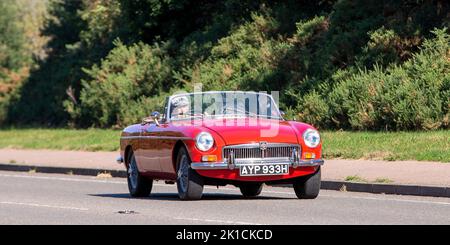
[(118, 91), (314, 110), (13, 55), (382, 48), (351, 64), (390, 96), (413, 95), (243, 60)]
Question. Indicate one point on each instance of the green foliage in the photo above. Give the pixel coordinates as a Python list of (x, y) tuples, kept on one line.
[(314, 109), (351, 64), (19, 43), (13, 54), (101, 18), (381, 48), (39, 98), (241, 59), (413, 95), (118, 91)]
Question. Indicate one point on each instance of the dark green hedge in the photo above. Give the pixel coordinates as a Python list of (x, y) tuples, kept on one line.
[(377, 65)]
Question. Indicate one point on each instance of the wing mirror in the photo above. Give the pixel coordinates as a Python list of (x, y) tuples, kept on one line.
[(154, 117)]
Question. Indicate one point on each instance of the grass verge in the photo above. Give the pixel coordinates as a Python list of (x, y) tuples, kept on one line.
[(422, 146), (391, 146), (60, 139)]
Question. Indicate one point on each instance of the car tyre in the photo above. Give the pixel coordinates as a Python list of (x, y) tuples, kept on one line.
[(308, 187), (189, 182), (138, 185), (251, 189)]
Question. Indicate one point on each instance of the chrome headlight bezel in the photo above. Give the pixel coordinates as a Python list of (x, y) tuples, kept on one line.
[(311, 137), (204, 141)]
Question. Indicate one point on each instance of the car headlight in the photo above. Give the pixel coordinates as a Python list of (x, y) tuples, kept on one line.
[(204, 141), (311, 138)]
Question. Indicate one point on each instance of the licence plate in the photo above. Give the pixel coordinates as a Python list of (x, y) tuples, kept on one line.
[(262, 169)]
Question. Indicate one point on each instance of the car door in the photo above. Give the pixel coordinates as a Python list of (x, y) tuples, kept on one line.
[(157, 143), (150, 150), (166, 143)]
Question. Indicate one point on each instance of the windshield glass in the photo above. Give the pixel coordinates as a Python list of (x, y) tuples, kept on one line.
[(222, 104)]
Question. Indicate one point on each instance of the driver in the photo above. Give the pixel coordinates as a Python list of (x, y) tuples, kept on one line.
[(180, 107)]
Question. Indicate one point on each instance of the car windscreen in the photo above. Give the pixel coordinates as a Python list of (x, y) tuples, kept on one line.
[(223, 104)]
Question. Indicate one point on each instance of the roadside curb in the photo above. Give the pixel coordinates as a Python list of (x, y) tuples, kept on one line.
[(395, 189), (62, 170)]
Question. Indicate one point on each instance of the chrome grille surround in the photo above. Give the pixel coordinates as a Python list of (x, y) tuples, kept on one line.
[(265, 153)]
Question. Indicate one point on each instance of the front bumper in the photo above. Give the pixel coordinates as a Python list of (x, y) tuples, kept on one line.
[(224, 165)]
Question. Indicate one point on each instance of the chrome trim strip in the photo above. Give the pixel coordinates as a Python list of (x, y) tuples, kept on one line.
[(223, 165), (209, 165), (156, 137), (309, 163)]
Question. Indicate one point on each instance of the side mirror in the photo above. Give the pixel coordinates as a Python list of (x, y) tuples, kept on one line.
[(154, 117)]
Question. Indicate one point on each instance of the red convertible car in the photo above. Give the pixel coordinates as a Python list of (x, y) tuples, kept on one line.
[(220, 138)]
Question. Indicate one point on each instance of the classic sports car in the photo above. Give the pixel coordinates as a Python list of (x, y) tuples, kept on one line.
[(220, 138)]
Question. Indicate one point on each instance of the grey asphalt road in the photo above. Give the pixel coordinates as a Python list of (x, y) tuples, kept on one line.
[(27, 198)]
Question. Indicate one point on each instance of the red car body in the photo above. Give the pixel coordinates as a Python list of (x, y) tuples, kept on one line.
[(155, 147)]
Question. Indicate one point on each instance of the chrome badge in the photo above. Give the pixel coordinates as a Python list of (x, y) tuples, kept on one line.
[(263, 145)]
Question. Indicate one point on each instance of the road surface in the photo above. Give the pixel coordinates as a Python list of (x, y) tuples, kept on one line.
[(399, 172), (30, 198)]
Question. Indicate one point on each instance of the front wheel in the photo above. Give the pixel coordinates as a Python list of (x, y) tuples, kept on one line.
[(189, 182), (138, 185), (251, 189), (308, 187)]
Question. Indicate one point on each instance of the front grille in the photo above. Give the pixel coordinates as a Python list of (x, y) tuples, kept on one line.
[(254, 151)]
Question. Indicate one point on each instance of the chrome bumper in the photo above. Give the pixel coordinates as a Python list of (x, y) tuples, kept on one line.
[(224, 165)]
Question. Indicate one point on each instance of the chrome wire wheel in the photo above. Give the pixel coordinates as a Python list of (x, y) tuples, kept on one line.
[(189, 182), (183, 173), (139, 186)]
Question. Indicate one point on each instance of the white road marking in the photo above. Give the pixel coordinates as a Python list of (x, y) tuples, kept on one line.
[(390, 199), (73, 179), (218, 221), (62, 179), (42, 205), (344, 197)]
